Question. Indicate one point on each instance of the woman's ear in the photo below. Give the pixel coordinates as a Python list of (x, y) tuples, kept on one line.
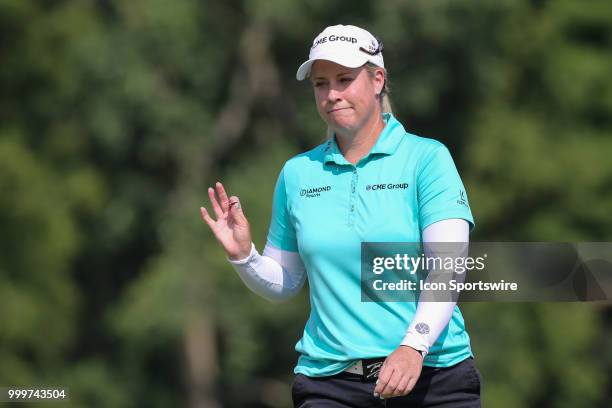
[(379, 81)]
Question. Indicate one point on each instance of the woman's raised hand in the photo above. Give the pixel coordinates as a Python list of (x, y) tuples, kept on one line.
[(231, 227)]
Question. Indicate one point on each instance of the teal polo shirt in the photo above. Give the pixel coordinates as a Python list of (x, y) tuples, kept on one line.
[(324, 207)]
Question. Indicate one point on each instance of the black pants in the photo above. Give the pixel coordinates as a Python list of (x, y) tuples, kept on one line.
[(457, 386)]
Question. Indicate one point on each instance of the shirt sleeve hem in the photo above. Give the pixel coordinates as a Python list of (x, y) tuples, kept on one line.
[(281, 245), (427, 221)]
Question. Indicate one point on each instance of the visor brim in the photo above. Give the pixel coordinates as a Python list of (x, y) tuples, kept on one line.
[(344, 60)]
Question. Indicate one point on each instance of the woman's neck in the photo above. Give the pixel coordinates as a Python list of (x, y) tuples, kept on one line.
[(356, 145)]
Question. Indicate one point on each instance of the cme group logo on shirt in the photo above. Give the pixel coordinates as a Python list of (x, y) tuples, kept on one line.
[(386, 186), (314, 191)]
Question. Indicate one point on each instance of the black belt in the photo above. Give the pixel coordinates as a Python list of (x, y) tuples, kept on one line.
[(366, 369)]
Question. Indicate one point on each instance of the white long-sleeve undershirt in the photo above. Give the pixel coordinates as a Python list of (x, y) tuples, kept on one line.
[(278, 275), (434, 316)]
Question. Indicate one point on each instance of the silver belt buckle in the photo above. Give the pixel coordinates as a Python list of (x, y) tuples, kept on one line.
[(368, 368), (355, 368)]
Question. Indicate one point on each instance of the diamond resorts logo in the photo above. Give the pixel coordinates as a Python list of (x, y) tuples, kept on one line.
[(314, 191)]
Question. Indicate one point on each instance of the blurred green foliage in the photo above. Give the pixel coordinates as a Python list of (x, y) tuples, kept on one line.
[(116, 115)]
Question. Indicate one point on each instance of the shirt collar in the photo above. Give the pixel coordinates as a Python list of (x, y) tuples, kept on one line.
[(387, 142)]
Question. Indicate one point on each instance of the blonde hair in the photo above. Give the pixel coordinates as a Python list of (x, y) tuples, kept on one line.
[(385, 101), (383, 97)]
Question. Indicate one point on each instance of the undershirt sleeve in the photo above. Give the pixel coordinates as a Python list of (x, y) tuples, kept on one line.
[(277, 275), (433, 317)]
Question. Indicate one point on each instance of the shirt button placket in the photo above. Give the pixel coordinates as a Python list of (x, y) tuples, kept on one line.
[(352, 200)]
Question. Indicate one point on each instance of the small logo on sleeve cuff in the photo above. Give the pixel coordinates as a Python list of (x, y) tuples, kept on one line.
[(422, 328)]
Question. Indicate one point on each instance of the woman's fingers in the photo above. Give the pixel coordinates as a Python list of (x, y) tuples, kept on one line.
[(222, 197), (384, 375), (236, 210), (403, 386), (206, 217), (411, 383), (214, 202), (391, 384)]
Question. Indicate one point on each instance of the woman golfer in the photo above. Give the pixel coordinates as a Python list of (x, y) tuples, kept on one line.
[(371, 181)]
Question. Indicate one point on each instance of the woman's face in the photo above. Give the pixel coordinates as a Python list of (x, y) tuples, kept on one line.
[(346, 97)]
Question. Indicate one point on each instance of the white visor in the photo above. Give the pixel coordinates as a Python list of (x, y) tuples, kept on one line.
[(349, 46)]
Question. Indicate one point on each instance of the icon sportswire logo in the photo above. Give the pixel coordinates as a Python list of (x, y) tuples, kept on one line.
[(314, 191)]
